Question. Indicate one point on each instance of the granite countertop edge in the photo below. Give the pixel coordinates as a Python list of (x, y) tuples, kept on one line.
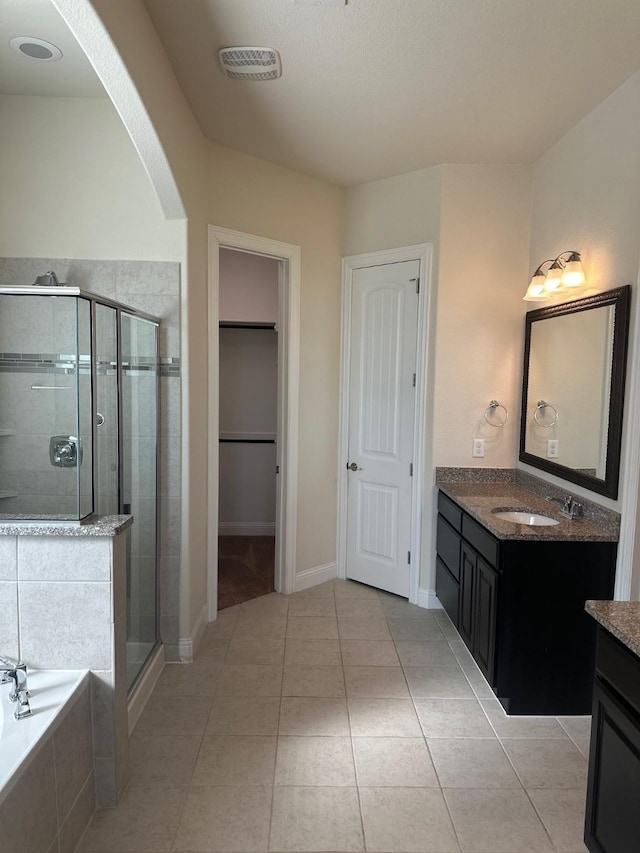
[(105, 525), (480, 499), (620, 618)]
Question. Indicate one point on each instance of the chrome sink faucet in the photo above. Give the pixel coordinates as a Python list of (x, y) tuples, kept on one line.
[(570, 507), (16, 672)]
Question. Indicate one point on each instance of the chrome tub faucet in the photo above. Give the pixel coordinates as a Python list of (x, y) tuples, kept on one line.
[(15, 672)]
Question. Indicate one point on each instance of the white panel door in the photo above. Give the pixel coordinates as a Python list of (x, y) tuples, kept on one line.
[(384, 317)]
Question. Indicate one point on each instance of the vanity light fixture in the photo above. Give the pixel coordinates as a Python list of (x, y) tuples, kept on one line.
[(564, 272)]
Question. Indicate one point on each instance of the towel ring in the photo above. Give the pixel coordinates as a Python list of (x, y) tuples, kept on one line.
[(491, 410), (543, 405)]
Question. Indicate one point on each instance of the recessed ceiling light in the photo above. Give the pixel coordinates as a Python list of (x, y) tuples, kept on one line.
[(34, 48)]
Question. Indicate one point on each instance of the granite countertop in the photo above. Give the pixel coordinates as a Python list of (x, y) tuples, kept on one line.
[(620, 618), (480, 500), (101, 525)]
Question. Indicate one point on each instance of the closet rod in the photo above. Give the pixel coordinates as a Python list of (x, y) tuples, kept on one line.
[(229, 324), (247, 440)]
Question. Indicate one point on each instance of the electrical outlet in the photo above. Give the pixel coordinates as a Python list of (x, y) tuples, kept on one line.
[(552, 448), (478, 448)]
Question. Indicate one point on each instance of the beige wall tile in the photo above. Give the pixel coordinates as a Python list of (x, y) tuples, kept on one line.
[(8, 558), (73, 750)]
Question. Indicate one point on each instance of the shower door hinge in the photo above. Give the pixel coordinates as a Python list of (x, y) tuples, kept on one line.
[(411, 469), (417, 281), (277, 469), (408, 556)]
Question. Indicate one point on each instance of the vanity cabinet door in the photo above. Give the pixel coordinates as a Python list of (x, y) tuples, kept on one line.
[(486, 614), (467, 594), (612, 823)]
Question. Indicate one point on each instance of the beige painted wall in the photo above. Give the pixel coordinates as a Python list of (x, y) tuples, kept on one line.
[(258, 198), (484, 250), (73, 185), (586, 196), (477, 217), (394, 212), (248, 287)]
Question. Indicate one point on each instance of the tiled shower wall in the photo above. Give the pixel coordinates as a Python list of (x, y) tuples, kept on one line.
[(152, 287)]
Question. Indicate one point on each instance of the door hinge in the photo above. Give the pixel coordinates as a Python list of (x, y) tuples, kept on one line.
[(277, 469), (411, 469), (414, 380), (408, 556)]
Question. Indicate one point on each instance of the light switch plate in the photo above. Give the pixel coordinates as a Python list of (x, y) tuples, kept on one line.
[(553, 450)]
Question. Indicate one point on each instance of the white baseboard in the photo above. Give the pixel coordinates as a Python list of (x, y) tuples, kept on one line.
[(427, 598), (315, 576), (188, 646), (144, 687), (246, 528)]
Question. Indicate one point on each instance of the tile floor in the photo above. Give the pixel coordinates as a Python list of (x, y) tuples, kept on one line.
[(342, 719)]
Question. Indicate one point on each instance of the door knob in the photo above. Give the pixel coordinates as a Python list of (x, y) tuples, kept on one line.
[(353, 467)]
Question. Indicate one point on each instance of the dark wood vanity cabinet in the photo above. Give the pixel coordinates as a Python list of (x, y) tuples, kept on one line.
[(467, 583), (519, 607), (612, 822)]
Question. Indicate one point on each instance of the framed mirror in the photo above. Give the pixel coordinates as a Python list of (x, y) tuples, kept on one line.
[(575, 358)]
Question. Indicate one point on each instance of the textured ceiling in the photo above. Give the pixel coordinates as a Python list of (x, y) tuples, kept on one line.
[(374, 88), (71, 76), (380, 87)]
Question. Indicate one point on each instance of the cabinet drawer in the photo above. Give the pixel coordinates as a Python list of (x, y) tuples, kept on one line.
[(451, 511), (619, 667), (448, 547), (482, 541)]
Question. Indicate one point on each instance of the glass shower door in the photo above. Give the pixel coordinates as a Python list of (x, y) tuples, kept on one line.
[(139, 413)]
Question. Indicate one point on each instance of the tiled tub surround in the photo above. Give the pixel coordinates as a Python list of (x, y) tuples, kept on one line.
[(152, 287), (341, 718), (63, 590), (479, 496), (47, 786)]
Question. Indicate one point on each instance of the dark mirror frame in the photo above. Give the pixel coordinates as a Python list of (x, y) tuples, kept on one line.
[(620, 298)]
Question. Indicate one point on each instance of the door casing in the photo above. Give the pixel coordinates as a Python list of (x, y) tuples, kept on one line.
[(288, 402), (422, 496)]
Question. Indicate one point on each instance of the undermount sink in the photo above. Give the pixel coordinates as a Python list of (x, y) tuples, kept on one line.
[(532, 519)]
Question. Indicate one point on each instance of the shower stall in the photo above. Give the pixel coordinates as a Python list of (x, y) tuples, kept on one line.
[(79, 421)]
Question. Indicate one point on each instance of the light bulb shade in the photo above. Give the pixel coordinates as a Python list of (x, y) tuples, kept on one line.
[(535, 291), (573, 274), (553, 280)]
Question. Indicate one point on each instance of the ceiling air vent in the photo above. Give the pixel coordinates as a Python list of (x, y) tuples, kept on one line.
[(250, 63)]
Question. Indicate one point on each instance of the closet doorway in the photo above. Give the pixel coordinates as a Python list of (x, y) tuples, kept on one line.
[(254, 318), (248, 370)]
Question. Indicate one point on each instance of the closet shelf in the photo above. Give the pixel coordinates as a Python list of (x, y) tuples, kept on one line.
[(247, 440), (7, 432), (233, 324), (8, 494)]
